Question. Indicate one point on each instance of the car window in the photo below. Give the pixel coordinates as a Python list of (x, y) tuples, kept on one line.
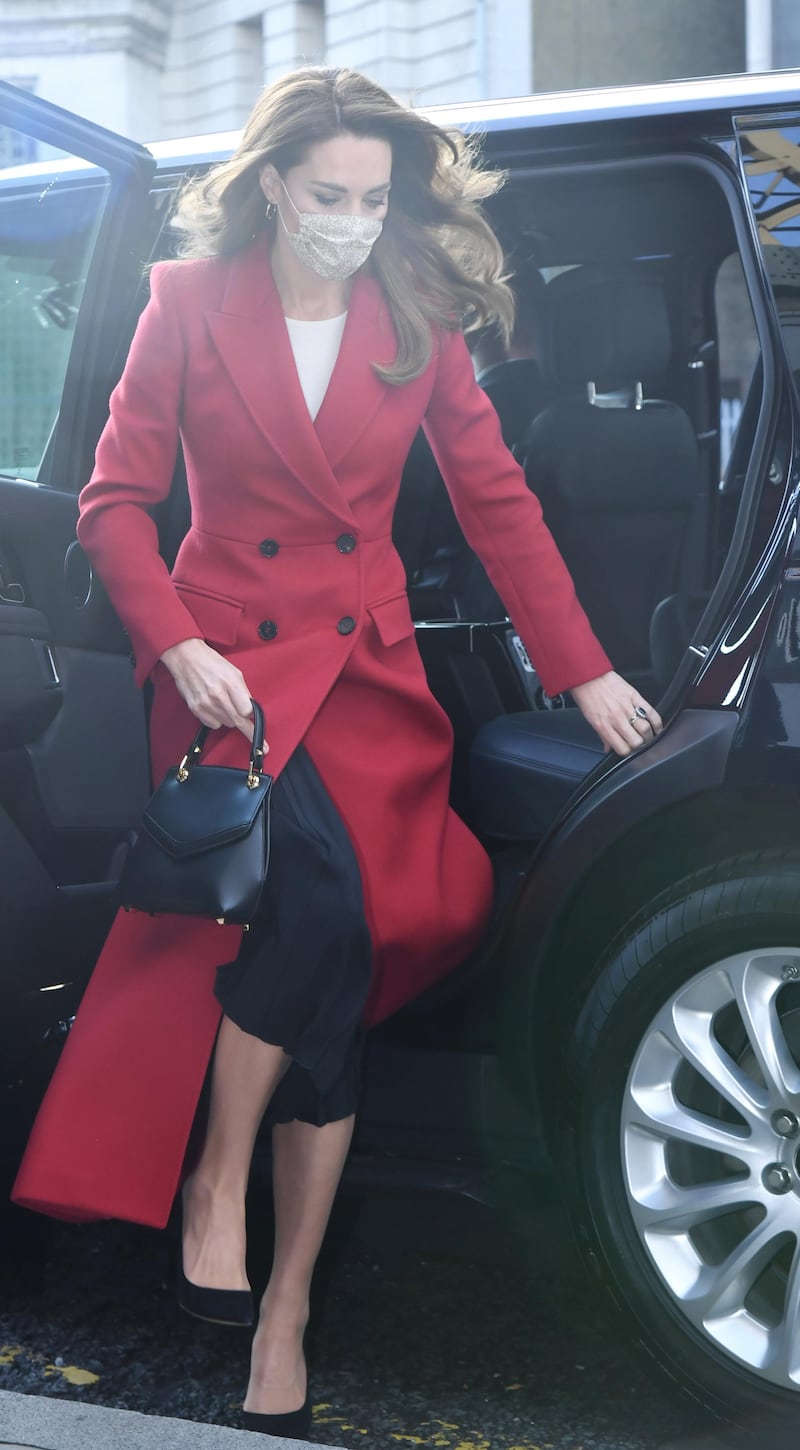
[(50, 210), (739, 350), (771, 162)]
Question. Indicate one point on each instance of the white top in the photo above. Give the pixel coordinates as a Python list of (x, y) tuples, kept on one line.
[(316, 347)]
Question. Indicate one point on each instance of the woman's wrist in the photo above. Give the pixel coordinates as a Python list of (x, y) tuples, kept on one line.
[(593, 681), (175, 652)]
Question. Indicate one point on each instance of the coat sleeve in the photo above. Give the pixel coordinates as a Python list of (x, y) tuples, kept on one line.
[(502, 521), (133, 471)]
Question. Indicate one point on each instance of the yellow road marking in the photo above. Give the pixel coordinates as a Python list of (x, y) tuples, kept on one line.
[(72, 1374), (77, 1376), (435, 1433)]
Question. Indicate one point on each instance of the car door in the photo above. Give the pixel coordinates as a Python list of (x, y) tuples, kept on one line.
[(769, 158), (75, 227)]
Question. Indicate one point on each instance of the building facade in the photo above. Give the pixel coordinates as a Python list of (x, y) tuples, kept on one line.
[(166, 68)]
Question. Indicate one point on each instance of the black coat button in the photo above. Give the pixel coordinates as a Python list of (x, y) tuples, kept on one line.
[(268, 629), (346, 624), (346, 543), (269, 548)]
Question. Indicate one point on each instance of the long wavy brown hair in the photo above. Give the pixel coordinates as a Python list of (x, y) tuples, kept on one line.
[(437, 258)]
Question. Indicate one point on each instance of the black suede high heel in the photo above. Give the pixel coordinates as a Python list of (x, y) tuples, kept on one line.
[(294, 1425), (232, 1307), (216, 1306)]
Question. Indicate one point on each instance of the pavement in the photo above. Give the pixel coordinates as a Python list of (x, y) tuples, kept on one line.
[(33, 1422), (439, 1322)]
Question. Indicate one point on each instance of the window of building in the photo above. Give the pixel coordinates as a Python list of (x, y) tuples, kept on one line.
[(15, 146)]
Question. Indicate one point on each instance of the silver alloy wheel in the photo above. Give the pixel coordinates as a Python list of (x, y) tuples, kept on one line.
[(710, 1141)]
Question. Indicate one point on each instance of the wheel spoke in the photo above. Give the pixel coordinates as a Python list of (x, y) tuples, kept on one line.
[(669, 1208), (692, 1035), (756, 993), (721, 1289), (786, 1336), (658, 1111), (793, 1292)]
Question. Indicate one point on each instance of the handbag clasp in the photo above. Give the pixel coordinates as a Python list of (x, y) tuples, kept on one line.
[(182, 772), (254, 773)]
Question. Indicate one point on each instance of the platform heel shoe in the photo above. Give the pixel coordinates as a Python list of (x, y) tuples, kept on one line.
[(217, 1306), (232, 1307), (294, 1425)]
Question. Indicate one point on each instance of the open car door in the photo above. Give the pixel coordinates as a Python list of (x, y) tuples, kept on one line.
[(76, 226)]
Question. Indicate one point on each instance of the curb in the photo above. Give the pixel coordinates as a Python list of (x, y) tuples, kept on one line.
[(44, 1422)]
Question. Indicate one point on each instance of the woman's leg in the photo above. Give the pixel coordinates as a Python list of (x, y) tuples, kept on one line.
[(245, 1073), (307, 1166)]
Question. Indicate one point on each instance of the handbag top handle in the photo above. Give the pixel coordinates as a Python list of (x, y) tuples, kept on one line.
[(256, 749)]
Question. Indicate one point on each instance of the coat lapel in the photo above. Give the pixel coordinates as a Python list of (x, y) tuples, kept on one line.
[(355, 392), (250, 335)]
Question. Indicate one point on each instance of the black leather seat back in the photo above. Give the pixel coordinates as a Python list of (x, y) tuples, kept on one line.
[(516, 389), (616, 470)]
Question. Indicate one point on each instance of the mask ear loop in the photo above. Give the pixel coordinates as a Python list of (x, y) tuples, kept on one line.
[(295, 209), (273, 209)]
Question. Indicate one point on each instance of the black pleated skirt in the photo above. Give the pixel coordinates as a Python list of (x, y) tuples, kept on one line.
[(302, 975)]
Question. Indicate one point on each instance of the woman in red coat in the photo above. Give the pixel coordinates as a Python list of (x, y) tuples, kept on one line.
[(315, 324)]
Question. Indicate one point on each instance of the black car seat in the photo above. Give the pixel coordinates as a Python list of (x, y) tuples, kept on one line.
[(523, 768), (516, 389), (616, 468), (525, 765), (446, 579), (618, 475)]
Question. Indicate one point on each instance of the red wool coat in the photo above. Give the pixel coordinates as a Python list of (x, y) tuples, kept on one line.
[(289, 570)]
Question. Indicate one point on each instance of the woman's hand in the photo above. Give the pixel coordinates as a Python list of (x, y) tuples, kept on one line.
[(619, 714), (212, 687)]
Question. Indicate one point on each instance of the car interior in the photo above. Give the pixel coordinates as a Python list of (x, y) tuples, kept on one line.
[(646, 362)]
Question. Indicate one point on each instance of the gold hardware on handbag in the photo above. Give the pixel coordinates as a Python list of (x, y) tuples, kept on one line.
[(202, 848)]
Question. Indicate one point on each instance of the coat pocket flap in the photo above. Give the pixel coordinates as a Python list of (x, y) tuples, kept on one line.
[(216, 617), (392, 619), (213, 807)]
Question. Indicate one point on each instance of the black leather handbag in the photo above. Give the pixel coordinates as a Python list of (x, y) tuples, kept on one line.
[(202, 848)]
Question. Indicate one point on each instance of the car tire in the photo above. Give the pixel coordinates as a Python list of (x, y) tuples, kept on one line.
[(687, 1206)]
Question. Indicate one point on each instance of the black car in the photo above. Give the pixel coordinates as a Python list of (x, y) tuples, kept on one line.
[(635, 1011)]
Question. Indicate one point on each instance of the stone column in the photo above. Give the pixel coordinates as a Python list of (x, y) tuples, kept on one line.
[(378, 37), (294, 34), (214, 66), (758, 24), (428, 51), (100, 58), (508, 65)]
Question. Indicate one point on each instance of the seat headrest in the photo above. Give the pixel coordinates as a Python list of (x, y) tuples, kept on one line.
[(606, 328)]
